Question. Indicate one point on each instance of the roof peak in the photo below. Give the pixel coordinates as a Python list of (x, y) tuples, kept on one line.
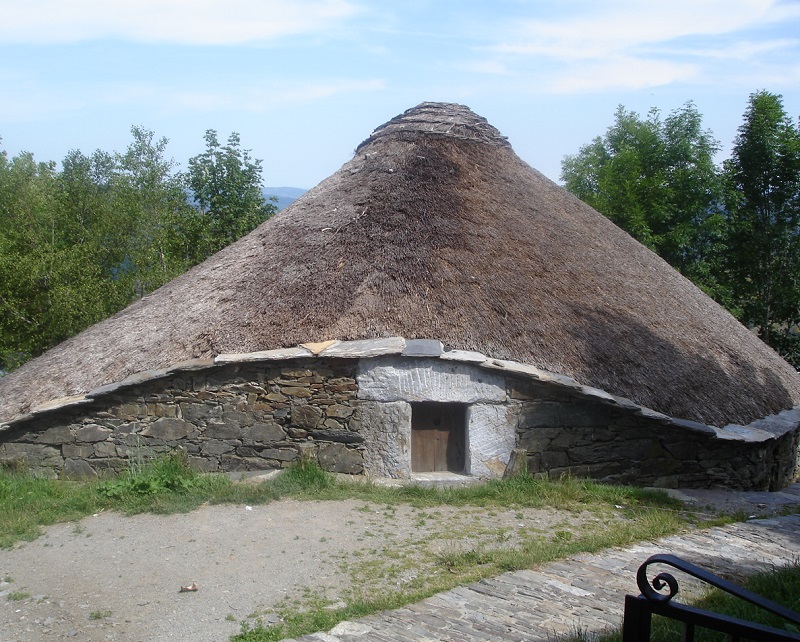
[(449, 120)]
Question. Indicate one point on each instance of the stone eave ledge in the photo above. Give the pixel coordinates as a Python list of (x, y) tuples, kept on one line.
[(770, 427)]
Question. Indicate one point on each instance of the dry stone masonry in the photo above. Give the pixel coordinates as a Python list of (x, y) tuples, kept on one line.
[(350, 406)]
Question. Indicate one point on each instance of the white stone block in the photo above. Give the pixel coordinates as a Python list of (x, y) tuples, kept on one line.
[(399, 379), (492, 437)]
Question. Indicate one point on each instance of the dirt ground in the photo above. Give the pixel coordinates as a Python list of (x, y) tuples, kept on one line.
[(114, 577)]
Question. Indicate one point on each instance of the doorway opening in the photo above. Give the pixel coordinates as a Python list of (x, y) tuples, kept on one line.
[(438, 437)]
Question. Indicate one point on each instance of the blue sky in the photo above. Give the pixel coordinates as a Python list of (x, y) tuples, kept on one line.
[(305, 81)]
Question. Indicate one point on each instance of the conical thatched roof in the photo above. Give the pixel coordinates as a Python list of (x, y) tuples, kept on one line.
[(436, 229)]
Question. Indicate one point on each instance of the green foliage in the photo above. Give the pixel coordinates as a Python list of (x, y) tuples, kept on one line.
[(226, 186), (734, 231), (764, 222), (79, 244), (657, 180)]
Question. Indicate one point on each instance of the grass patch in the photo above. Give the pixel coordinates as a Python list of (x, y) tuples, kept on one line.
[(169, 485), (17, 596), (99, 615)]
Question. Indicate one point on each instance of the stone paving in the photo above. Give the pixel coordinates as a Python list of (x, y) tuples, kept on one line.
[(583, 593)]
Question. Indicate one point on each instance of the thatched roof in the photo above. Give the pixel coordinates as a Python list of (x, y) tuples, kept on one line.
[(436, 229)]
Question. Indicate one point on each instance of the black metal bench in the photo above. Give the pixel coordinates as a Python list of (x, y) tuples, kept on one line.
[(639, 610)]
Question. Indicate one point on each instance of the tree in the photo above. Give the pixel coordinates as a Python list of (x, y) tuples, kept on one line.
[(153, 215), (658, 181), (226, 187), (50, 283), (763, 209)]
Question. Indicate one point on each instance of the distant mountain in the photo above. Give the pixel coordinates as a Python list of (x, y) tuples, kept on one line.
[(286, 195)]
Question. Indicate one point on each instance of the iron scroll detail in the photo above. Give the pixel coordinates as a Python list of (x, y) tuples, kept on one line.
[(651, 592)]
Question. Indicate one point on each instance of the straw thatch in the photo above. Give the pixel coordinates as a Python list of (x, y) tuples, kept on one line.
[(436, 229)]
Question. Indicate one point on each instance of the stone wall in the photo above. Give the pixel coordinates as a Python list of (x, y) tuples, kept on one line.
[(567, 434), (350, 408), (230, 418)]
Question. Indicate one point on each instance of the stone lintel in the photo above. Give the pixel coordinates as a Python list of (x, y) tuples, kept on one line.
[(395, 378)]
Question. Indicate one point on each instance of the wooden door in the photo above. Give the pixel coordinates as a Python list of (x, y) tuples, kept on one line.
[(438, 437)]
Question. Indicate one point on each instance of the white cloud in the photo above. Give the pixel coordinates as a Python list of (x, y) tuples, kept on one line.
[(631, 44), (490, 67), (743, 50), (623, 25), (620, 73), (28, 102), (213, 22), (259, 101)]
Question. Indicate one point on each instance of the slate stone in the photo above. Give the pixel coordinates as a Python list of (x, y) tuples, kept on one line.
[(62, 402), (190, 365), (227, 430), (265, 355), (105, 449), (365, 348), (168, 429), (422, 348), (72, 451), (92, 433), (143, 377), (280, 454), (296, 391), (78, 470), (465, 356), (216, 447), (264, 432), (339, 411), (517, 463), (56, 436), (694, 426), (306, 416), (338, 458), (342, 436)]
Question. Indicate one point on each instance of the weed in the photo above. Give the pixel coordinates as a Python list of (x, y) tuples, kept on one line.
[(230, 617), (99, 615), (17, 596), (171, 473)]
